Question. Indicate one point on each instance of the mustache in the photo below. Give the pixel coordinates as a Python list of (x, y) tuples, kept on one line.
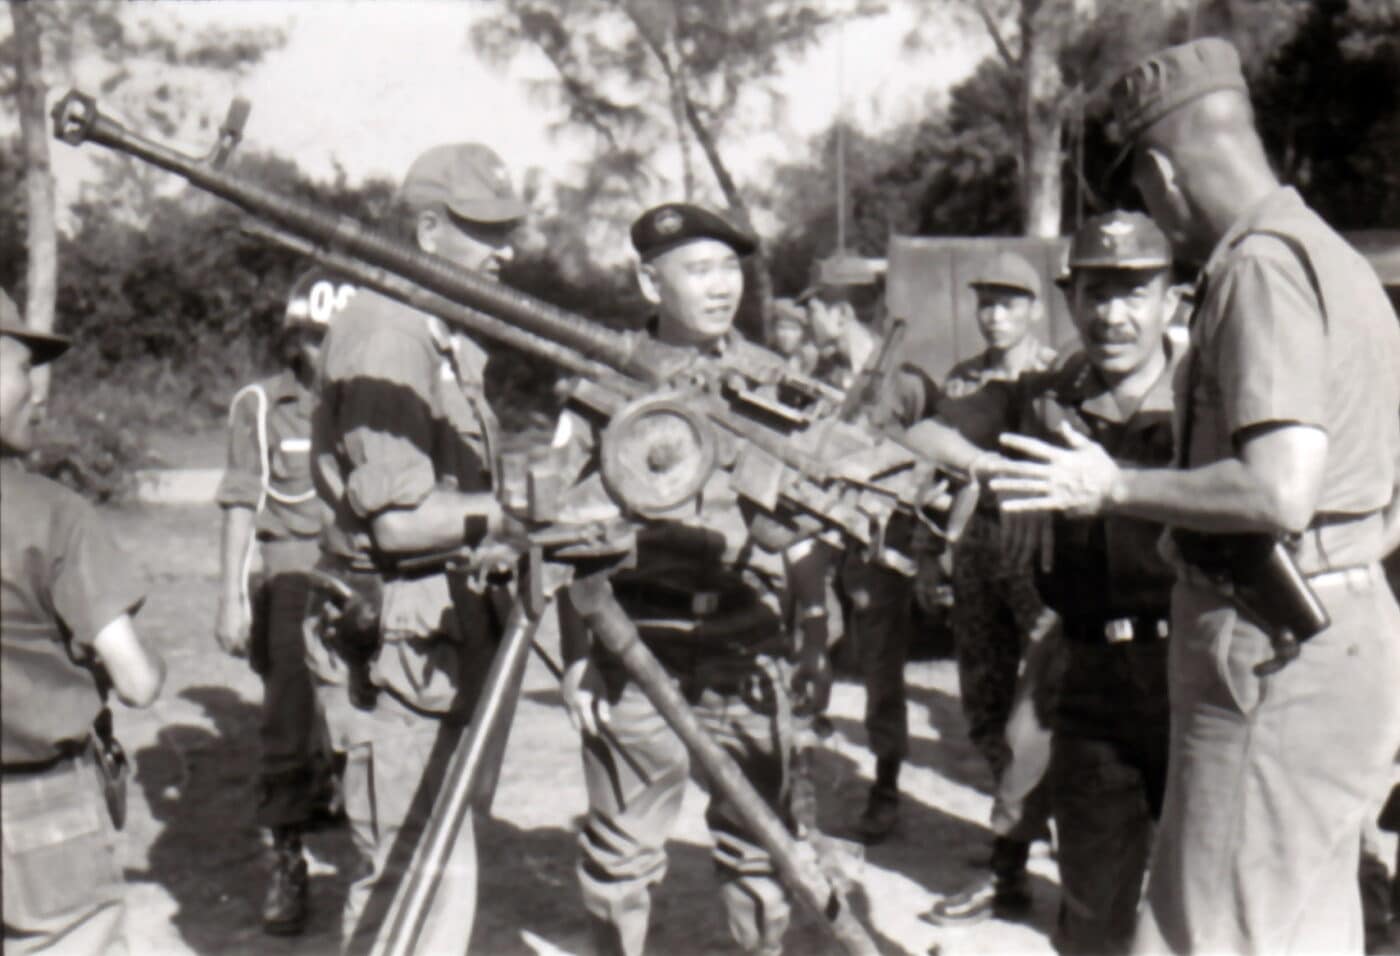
[(1111, 335)]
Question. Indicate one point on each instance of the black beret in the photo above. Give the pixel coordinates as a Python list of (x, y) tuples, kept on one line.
[(662, 228)]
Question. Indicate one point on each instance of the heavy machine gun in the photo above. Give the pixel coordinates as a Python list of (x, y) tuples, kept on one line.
[(797, 450)]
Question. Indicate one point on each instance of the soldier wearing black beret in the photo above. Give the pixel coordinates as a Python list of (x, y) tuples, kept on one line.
[(719, 613)]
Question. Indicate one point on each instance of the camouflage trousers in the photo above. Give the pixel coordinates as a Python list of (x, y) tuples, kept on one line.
[(994, 607)]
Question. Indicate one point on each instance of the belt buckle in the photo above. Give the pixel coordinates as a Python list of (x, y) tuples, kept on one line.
[(704, 603), (1119, 630)]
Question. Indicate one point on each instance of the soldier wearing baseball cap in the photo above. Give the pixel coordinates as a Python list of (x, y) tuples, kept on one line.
[(1108, 584), (996, 608), (403, 451), (1289, 444)]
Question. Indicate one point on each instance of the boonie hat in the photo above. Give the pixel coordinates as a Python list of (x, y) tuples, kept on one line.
[(1119, 240), (43, 347), (663, 228), (1007, 270), (1171, 78), (468, 179)]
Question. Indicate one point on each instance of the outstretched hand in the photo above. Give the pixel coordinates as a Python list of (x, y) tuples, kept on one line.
[(1080, 480)]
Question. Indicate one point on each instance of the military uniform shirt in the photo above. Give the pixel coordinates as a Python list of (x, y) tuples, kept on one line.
[(979, 399), (1105, 567), (62, 580), (294, 511), (401, 412), (1292, 327)]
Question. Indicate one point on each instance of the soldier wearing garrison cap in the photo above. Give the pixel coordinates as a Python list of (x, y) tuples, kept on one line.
[(403, 447), (1288, 437), (737, 617), (66, 639), (1101, 682)]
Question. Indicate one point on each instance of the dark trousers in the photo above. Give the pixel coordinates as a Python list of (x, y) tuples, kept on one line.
[(881, 603), (1107, 778), (290, 731)]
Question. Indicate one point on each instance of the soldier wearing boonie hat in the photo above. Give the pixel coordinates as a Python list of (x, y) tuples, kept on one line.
[(1289, 428), (272, 519), (404, 446), (66, 638)]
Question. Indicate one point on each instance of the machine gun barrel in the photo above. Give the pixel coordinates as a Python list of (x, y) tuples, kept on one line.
[(473, 320), (77, 120)]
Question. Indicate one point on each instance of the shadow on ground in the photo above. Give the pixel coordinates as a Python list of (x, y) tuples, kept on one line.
[(208, 854)]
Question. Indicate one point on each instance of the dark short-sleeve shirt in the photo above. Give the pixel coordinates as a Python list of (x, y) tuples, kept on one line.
[(269, 459), (1105, 567), (62, 580), (1292, 327), (979, 398), (401, 412)]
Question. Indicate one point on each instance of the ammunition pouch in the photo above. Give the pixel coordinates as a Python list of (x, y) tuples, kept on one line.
[(113, 768)]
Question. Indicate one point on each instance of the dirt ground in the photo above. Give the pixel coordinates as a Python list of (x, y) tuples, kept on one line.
[(194, 859)]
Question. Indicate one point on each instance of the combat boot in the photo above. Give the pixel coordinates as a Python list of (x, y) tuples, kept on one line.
[(284, 906), (881, 813)]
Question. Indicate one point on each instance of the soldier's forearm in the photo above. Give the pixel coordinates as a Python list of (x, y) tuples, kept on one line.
[(1271, 487), (236, 536), (441, 521)]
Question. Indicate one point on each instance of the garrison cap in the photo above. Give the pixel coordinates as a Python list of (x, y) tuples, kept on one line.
[(43, 347), (1119, 240), (663, 228), (468, 179), (1168, 79), (1007, 270)]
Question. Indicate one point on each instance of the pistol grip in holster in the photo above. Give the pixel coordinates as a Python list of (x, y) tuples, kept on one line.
[(1258, 574), (112, 766)]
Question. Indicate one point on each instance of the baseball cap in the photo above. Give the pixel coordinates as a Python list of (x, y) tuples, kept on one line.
[(663, 228), (316, 298), (468, 179), (43, 347), (1169, 79), (1119, 240), (1007, 270)]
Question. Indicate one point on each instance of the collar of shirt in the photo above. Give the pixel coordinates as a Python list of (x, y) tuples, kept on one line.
[(718, 347), (981, 368), (1280, 198), (1087, 391)]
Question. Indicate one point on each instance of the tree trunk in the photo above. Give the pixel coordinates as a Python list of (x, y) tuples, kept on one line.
[(41, 277), (1042, 120)]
